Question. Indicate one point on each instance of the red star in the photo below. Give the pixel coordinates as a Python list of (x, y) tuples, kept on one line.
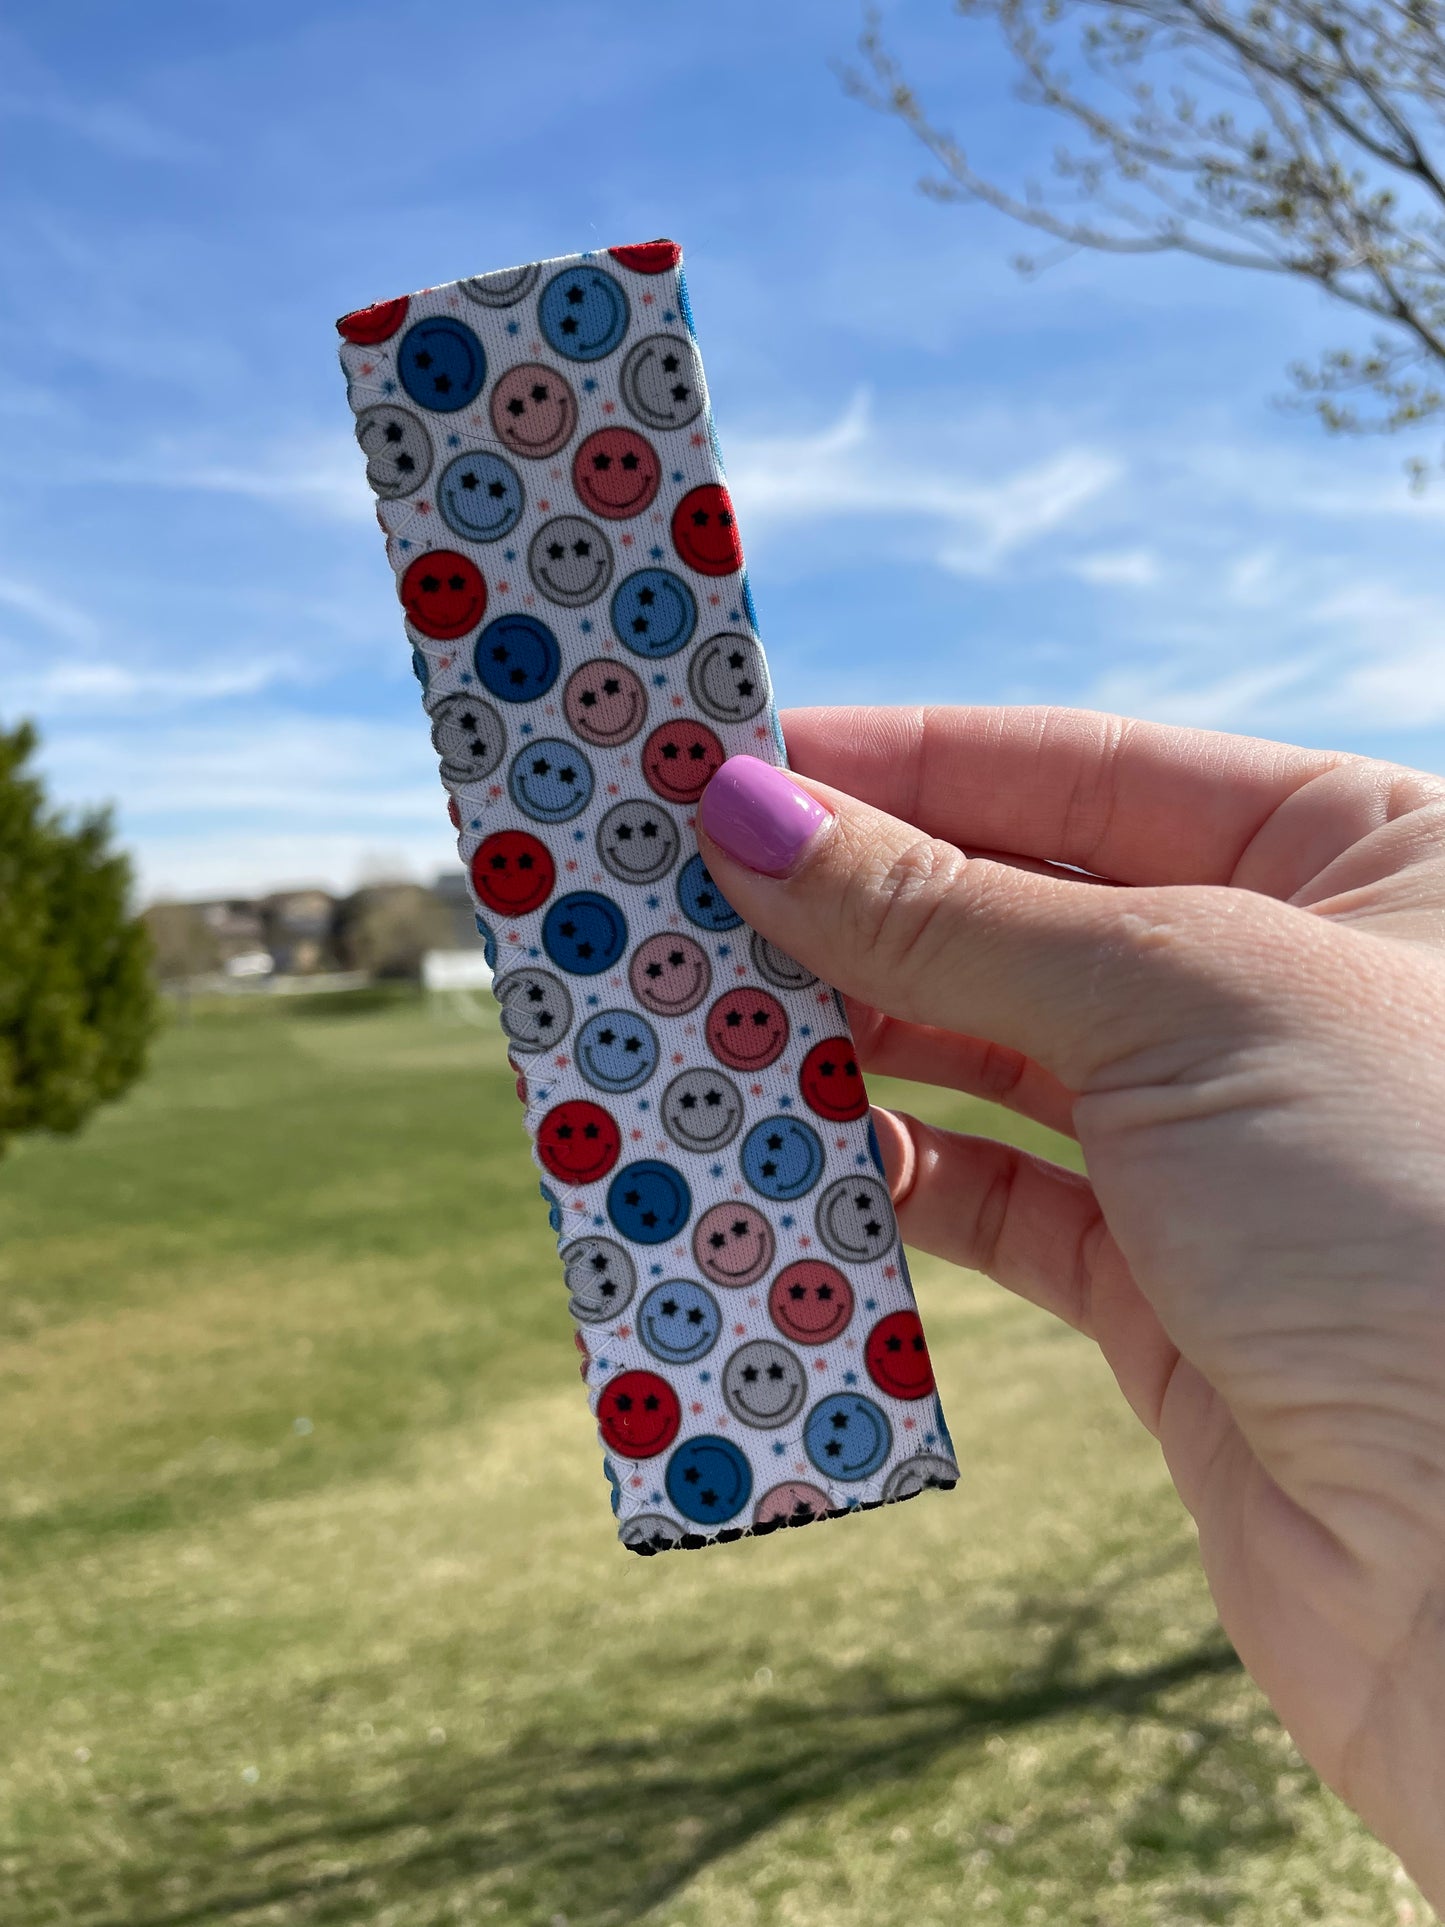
[(805, 1242), (677, 1057), (495, 791), (627, 541), (609, 408), (648, 299), (504, 588), (820, 1364), (696, 1408), (543, 504), (761, 733), (696, 440), (572, 865), (890, 1271), (368, 367), (677, 700), (423, 508)]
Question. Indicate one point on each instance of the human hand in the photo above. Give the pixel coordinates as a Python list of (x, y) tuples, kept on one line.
[(1240, 1014)]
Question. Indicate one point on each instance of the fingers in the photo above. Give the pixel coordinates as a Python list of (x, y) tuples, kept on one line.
[(1074, 975), (1035, 1229), (1138, 802), (929, 1056)]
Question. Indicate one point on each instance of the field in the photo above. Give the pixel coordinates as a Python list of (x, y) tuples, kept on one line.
[(311, 1608)]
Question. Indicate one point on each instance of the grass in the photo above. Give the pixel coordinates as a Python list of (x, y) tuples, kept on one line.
[(311, 1609)]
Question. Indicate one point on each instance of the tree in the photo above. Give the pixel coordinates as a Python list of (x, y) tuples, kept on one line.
[(1291, 137), (77, 1004), (387, 928)]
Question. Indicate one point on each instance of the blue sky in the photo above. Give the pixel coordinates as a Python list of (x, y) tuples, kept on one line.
[(953, 485)]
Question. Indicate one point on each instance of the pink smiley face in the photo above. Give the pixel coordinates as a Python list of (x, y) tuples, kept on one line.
[(680, 759), (747, 1029), (616, 473), (605, 703), (793, 1503), (810, 1301), (533, 410), (670, 974), (733, 1245)]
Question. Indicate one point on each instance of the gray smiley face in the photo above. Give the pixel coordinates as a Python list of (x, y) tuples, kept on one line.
[(661, 382), (764, 1384), (650, 1532), (504, 289), (702, 1110), (915, 1475), (855, 1219), (470, 737), (728, 678), (776, 967), (570, 560), (397, 448), (536, 1008), (638, 842), (600, 1280)]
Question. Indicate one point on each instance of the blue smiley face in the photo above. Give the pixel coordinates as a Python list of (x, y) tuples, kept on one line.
[(709, 1480), (654, 613), (847, 1436), (584, 933), (701, 901), (616, 1484), (517, 659), (442, 364), (616, 1050), (420, 667), (554, 1208), (583, 313), (550, 781), (875, 1150), (480, 497), (679, 1321), (649, 1201), (489, 941), (782, 1157)]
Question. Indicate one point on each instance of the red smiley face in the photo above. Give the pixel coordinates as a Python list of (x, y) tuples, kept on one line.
[(367, 326), (638, 1415), (578, 1142), (705, 531), (648, 257), (615, 473), (444, 594), (810, 1301), (680, 759), (512, 872), (747, 1029), (454, 813), (831, 1082), (897, 1357)]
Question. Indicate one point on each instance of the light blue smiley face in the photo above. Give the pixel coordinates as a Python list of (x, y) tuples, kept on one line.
[(420, 667), (679, 1321), (583, 313), (654, 613), (554, 1208), (709, 1480), (442, 364), (550, 781), (616, 1050), (649, 1201), (584, 933), (489, 941), (782, 1158), (701, 901), (480, 497), (517, 659), (847, 1436)]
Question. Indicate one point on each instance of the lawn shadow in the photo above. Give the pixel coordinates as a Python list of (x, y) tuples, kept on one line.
[(597, 1829)]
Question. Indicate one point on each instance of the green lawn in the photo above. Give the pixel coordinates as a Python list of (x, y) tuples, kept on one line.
[(311, 1608)]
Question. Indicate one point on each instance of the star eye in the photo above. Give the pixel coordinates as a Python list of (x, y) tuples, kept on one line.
[(539, 393)]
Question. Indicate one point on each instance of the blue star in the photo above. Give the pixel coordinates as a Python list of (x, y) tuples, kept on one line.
[(599, 1221), (535, 952), (704, 1378), (870, 1304), (715, 1171), (724, 950), (642, 1103), (786, 1101), (526, 728), (805, 1030), (852, 1502), (579, 836), (388, 387), (677, 475), (586, 625), (590, 385), (592, 1002), (654, 903), (668, 315), (589, 254), (543, 1093), (850, 1378), (786, 1221), (733, 616), (778, 1448), (513, 327), (454, 441), (403, 543), (656, 554), (929, 1438), (654, 1498), (659, 681), (466, 675), (656, 1269), (603, 1364), (510, 554)]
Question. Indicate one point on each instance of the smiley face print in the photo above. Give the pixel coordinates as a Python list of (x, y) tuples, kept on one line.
[(855, 1219), (728, 678), (847, 1437), (680, 759), (605, 703), (793, 1503), (570, 561), (831, 1083), (550, 781), (584, 933), (600, 1280), (702, 1111), (896, 1355), (705, 532), (638, 1415), (397, 448), (654, 613), (764, 1384), (782, 1158), (733, 1244), (369, 327), (536, 1009), (468, 735), (670, 975), (638, 841), (517, 658), (649, 1201), (512, 872), (747, 1029), (583, 313), (709, 1480), (810, 1302), (661, 382), (533, 411), (616, 473), (616, 1050), (444, 594), (776, 967), (648, 257), (679, 1321), (441, 364), (578, 1141), (480, 496), (701, 901), (504, 289)]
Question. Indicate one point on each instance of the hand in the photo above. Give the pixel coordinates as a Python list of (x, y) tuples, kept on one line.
[(1240, 1013)]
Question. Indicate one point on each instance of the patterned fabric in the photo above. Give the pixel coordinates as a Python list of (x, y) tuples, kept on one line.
[(548, 478)]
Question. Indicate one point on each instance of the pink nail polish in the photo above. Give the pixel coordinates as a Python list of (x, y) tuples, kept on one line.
[(761, 818)]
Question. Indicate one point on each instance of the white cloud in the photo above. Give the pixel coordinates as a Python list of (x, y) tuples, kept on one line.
[(50, 611), (1118, 568), (322, 476)]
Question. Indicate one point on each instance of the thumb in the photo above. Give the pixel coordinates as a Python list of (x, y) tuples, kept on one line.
[(1077, 975)]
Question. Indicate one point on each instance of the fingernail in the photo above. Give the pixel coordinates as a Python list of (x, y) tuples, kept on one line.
[(760, 817)]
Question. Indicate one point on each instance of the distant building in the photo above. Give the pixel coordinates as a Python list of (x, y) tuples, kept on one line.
[(451, 888), (298, 927)]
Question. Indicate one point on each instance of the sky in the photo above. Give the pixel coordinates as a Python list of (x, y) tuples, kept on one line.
[(953, 484)]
